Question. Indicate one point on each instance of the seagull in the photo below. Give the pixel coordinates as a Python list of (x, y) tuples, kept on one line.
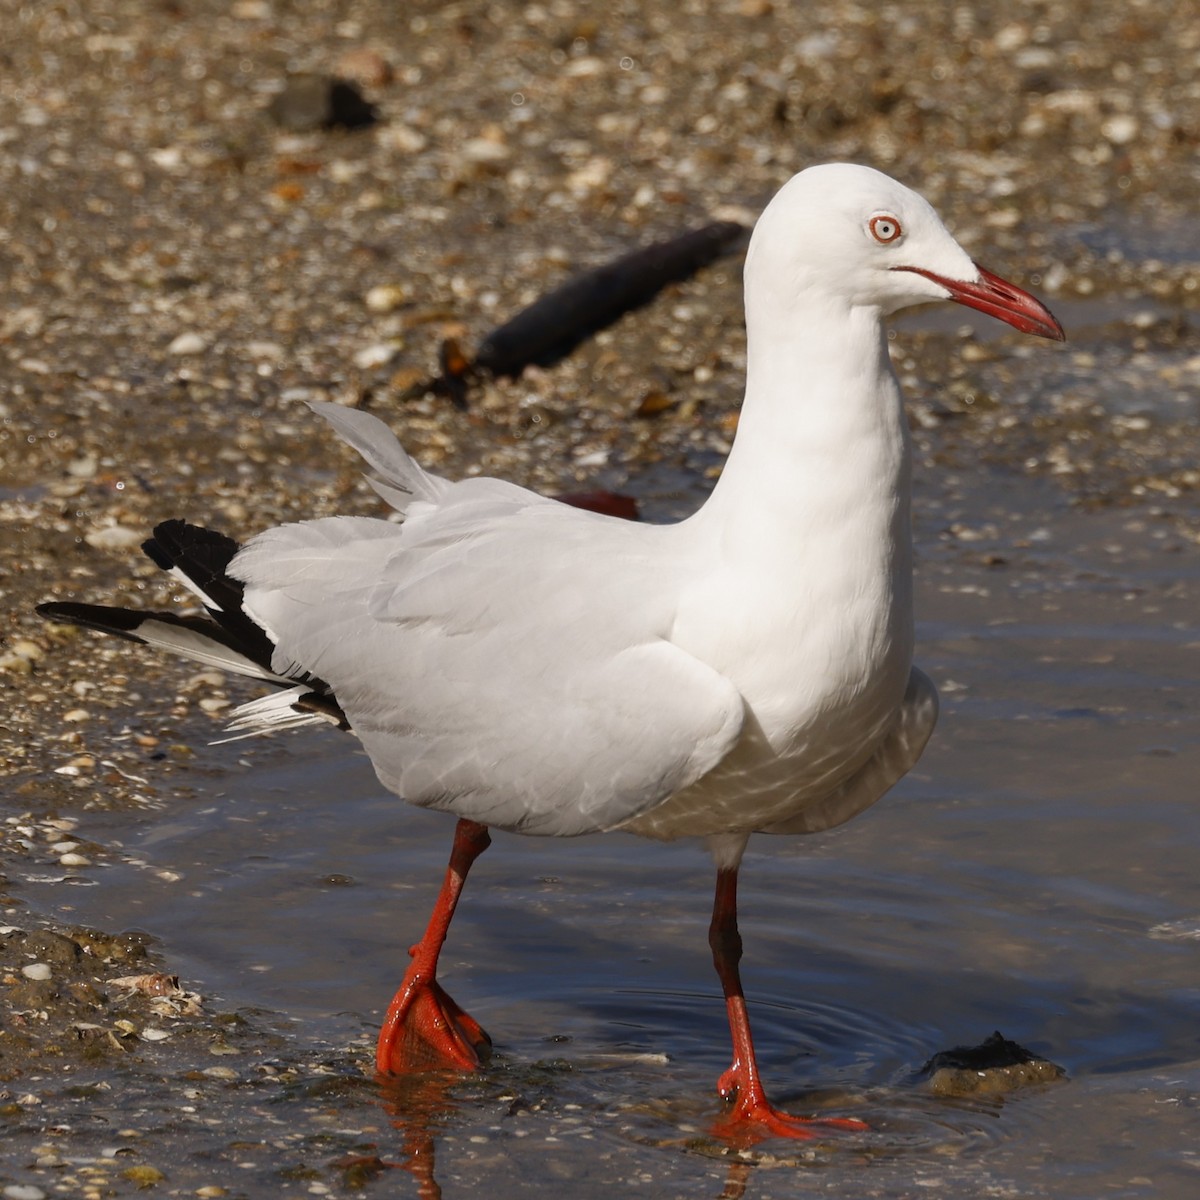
[(546, 670)]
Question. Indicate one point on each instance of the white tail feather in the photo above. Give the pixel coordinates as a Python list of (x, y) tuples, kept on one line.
[(270, 714)]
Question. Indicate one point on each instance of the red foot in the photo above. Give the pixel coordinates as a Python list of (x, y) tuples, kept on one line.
[(425, 1030), (745, 1125), (752, 1117)]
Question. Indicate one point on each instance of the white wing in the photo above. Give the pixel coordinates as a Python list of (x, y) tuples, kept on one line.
[(497, 653)]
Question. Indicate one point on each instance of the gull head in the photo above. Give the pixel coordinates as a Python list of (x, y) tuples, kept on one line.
[(842, 236)]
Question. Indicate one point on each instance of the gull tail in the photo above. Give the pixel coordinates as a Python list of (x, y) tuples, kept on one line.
[(227, 638)]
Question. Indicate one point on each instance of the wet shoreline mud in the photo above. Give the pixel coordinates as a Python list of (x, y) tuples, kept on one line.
[(182, 272)]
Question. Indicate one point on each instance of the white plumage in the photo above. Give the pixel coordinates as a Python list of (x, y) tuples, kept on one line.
[(532, 666)]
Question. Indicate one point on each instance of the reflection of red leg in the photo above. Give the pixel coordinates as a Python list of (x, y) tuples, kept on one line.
[(424, 1029), (751, 1116)]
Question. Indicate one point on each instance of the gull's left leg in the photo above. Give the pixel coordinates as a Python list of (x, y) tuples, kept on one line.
[(751, 1115)]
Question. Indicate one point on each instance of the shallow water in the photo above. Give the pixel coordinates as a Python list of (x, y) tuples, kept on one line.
[(1036, 874)]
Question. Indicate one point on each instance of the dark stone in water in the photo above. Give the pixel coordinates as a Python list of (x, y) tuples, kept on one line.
[(992, 1068)]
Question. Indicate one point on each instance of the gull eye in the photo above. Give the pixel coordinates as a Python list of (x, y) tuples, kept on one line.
[(884, 228)]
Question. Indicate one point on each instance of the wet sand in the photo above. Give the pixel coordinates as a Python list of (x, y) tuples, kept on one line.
[(1036, 874)]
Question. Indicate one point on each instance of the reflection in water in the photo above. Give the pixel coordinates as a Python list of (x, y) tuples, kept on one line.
[(419, 1106), (422, 1106), (735, 1183)]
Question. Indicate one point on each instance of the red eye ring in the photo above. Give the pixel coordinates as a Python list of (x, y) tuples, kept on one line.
[(885, 228)]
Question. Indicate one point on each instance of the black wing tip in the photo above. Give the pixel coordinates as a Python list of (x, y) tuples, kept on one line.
[(123, 622), (175, 538), (153, 551)]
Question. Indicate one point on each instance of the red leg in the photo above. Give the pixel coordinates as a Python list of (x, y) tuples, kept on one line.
[(424, 1029), (751, 1115)]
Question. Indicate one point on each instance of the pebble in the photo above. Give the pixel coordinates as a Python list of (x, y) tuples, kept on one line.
[(23, 1191), (377, 355), (188, 343), (83, 468), (114, 537), (385, 298), (204, 679), (144, 1175), (404, 139), (24, 648), (485, 152), (309, 102), (364, 66), (1120, 129), (74, 860), (155, 1035), (37, 970)]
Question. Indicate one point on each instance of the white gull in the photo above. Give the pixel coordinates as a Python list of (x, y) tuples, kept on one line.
[(530, 666)]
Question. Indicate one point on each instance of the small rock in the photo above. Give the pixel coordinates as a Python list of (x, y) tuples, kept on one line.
[(74, 860), (377, 355), (204, 679), (155, 1035), (168, 158), (404, 139), (385, 298), (144, 1176), (1120, 129), (77, 714), (310, 102), (583, 68), (188, 343), (23, 1191), (364, 66), (484, 152), (992, 1068), (51, 947), (114, 537), (24, 648), (36, 971), (83, 468)]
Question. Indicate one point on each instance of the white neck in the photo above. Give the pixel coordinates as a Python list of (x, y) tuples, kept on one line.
[(821, 451), (806, 596)]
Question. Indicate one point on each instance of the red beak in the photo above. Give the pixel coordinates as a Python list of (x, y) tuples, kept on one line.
[(999, 298)]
